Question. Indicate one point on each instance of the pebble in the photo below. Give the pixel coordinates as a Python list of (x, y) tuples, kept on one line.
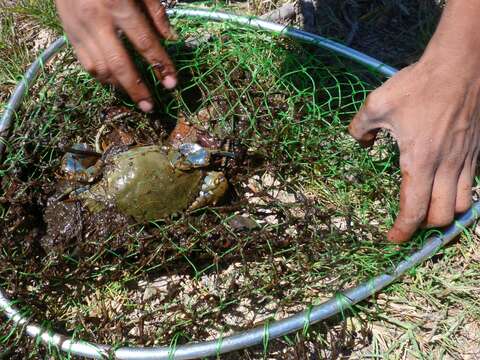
[(240, 222)]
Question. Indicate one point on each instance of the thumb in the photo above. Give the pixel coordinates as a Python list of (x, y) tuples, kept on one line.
[(366, 123)]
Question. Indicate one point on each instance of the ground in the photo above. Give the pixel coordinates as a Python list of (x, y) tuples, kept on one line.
[(295, 228)]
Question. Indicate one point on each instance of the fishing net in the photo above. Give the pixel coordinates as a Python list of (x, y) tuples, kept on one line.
[(305, 214)]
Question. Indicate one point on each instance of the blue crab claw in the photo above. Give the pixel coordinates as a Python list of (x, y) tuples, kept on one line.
[(195, 154), (213, 188), (191, 156), (78, 158), (79, 163)]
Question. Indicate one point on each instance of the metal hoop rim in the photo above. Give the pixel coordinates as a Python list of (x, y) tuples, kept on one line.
[(257, 335)]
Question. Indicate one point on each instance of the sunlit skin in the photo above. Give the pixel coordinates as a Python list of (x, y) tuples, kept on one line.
[(92, 27), (431, 107)]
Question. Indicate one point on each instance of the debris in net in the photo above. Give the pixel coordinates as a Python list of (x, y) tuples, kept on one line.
[(161, 287), (271, 186), (193, 42), (291, 231), (340, 223)]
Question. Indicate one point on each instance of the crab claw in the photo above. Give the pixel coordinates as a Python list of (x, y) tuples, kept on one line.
[(78, 158), (214, 187), (190, 156), (79, 163), (195, 154)]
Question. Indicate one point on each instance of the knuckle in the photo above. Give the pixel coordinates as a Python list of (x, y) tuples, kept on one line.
[(101, 71), (118, 64), (373, 103), (411, 216), (425, 160), (454, 161), (145, 43), (407, 164), (115, 3), (87, 10), (416, 218), (417, 162), (121, 10)]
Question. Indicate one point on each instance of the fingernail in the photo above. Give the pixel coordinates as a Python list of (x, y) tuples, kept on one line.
[(169, 82), (145, 106)]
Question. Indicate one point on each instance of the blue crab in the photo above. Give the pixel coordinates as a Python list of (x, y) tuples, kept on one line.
[(146, 182)]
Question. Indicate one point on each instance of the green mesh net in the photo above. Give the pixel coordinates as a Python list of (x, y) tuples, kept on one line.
[(305, 215)]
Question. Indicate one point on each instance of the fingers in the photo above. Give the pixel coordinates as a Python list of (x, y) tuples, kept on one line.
[(92, 59), (84, 58), (142, 36), (449, 192), (444, 194), (158, 14), (92, 27), (415, 193), (465, 184), (123, 70), (463, 199)]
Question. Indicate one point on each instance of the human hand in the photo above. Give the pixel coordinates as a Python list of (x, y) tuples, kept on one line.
[(92, 26), (432, 110)]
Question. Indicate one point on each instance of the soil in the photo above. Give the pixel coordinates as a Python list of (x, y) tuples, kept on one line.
[(395, 32)]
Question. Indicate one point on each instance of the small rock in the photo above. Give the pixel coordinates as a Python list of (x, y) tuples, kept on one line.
[(340, 223), (285, 197), (291, 231), (149, 293), (256, 200), (240, 222), (268, 180), (134, 332), (271, 219), (254, 184)]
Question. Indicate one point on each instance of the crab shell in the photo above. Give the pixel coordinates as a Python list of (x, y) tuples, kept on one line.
[(144, 183)]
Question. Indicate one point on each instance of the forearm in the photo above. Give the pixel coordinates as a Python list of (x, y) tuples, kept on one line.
[(457, 38)]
